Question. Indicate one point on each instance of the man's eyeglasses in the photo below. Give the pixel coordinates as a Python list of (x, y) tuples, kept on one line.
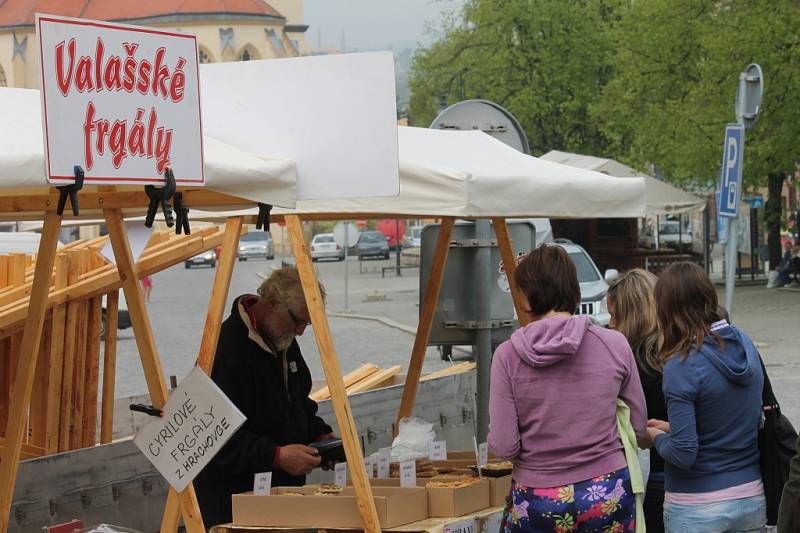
[(297, 320)]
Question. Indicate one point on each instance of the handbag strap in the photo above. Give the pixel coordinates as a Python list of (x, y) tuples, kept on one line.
[(768, 400)]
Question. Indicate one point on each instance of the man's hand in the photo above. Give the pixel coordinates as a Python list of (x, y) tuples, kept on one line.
[(297, 459), (327, 436), (658, 424)]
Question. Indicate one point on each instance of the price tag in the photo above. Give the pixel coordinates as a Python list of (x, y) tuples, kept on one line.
[(384, 458), (462, 526), (438, 450), (262, 483), (483, 454), (369, 466), (341, 474), (408, 474)]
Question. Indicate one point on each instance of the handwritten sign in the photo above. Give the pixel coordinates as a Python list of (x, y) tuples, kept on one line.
[(262, 483), (438, 450), (198, 419), (122, 102), (462, 526), (340, 474), (369, 465), (483, 454), (408, 474)]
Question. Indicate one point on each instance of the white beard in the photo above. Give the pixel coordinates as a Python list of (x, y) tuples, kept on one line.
[(283, 343)]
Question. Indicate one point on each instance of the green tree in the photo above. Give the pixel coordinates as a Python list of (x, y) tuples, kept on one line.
[(676, 72), (543, 60)]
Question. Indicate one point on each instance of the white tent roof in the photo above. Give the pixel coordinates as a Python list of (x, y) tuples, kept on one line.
[(470, 174), (229, 170), (662, 198)]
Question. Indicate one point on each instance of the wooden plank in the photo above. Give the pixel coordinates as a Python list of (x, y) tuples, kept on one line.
[(38, 410), (56, 369), (349, 380), (208, 343), (90, 383), (426, 315), (81, 341), (70, 345), (449, 371), (375, 380), (510, 265), (109, 367), (28, 451), (16, 278), (333, 373), (27, 365), (3, 271), (147, 346)]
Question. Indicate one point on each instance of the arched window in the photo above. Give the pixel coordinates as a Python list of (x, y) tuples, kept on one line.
[(3, 80), (204, 55), (248, 53)]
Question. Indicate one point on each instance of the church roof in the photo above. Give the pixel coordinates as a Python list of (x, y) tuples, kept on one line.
[(21, 12)]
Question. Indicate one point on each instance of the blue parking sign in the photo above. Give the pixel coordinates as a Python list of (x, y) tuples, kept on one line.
[(732, 160)]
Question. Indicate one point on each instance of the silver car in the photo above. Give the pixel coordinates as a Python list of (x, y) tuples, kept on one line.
[(256, 244), (323, 246), (593, 286)]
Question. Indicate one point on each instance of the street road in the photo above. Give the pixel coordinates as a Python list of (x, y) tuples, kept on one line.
[(180, 297)]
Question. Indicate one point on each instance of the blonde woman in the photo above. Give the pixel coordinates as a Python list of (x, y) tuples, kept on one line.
[(633, 313)]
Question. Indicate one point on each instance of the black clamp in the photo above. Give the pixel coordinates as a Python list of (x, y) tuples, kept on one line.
[(70, 191), (181, 215), (146, 409), (263, 216), (160, 195)]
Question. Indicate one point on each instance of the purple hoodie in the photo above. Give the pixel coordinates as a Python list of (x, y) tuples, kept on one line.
[(552, 406)]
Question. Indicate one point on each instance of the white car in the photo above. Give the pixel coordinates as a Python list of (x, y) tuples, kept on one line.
[(593, 286), (323, 246)]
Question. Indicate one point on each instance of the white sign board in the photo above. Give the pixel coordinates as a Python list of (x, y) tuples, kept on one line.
[(262, 483), (122, 102), (335, 116), (197, 421), (384, 460), (408, 474), (437, 450), (340, 474)]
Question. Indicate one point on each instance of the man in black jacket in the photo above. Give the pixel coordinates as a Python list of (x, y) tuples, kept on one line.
[(258, 365)]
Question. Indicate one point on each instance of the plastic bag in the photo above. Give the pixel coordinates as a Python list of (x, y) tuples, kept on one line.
[(772, 279), (108, 528), (413, 439)]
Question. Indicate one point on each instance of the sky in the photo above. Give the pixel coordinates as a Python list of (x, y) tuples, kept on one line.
[(373, 24)]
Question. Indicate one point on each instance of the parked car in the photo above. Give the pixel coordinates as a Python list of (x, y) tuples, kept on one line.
[(415, 236), (593, 286), (672, 235), (371, 244), (256, 244), (208, 258), (323, 246)]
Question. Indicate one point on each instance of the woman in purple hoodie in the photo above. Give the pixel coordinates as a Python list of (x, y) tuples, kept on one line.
[(552, 408)]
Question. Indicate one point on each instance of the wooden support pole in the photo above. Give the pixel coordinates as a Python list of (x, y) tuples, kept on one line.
[(78, 381), (333, 373), (41, 382), (109, 367), (20, 401), (208, 344), (91, 377), (510, 265), (70, 345), (426, 316), (56, 369), (147, 345)]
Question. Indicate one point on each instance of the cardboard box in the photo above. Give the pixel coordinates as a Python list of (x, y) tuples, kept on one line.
[(499, 488), (396, 506), (446, 502), (469, 455)]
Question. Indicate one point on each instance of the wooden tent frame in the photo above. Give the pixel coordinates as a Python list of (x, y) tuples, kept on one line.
[(111, 203)]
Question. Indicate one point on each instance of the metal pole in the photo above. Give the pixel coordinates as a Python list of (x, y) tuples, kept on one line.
[(283, 246), (346, 267), (658, 236), (483, 352), (730, 263), (397, 244), (707, 239)]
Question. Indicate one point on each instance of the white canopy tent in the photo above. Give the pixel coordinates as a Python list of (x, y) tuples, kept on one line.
[(228, 169), (662, 198)]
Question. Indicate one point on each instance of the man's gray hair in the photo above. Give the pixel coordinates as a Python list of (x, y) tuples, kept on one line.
[(284, 285)]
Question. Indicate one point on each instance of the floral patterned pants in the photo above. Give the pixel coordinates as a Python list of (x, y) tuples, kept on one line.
[(605, 504)]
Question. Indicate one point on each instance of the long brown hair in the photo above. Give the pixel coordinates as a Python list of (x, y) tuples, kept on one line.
[(631, 296), (686, 304)]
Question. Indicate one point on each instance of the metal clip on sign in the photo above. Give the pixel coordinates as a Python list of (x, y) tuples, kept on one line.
[(160, 195), (181, 215), (146, 409), (263, 216), (70, 191)]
